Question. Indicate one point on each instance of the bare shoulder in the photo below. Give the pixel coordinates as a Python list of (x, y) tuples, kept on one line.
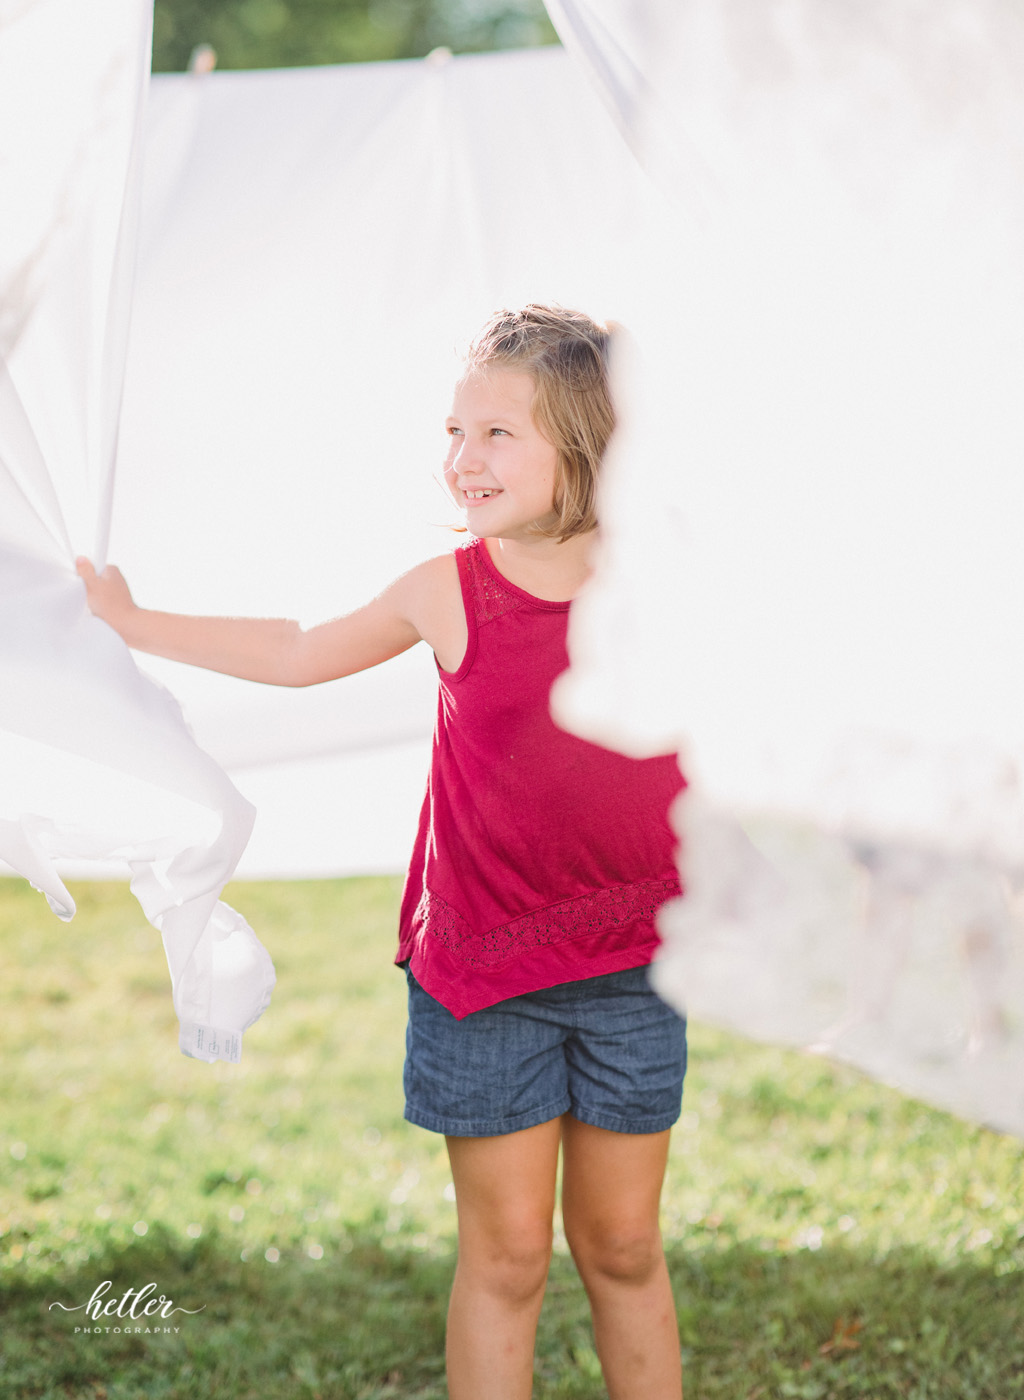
[(441, 572), (430, 596), (426, 585)]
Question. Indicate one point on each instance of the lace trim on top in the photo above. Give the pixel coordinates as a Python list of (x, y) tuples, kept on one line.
[(490, 600), (558, 923)]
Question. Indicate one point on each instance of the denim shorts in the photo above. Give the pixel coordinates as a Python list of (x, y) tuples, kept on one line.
[(607, 1050)]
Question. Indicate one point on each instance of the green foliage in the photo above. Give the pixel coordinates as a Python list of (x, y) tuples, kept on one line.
[(286, 33), (827, 1238)]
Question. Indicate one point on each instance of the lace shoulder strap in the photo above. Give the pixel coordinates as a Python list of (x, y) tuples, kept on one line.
[(481, 589)]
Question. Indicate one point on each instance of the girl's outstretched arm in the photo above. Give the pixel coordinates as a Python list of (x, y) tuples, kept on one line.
[(273, 650)]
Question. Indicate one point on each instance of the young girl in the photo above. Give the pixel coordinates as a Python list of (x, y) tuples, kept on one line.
[(527, 921)]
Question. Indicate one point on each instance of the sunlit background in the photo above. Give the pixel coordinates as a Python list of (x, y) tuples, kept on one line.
[(286, 33)]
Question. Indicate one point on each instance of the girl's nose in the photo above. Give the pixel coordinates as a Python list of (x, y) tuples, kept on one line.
[(467, 458), (459, 463)]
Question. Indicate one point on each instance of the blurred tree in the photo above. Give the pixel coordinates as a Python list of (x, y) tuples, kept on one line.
[(287, 33)]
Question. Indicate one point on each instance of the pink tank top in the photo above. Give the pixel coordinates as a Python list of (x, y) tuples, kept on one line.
[(540, 858)]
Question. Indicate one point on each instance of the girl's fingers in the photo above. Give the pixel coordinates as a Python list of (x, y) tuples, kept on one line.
[(106, 593), (87, 572)]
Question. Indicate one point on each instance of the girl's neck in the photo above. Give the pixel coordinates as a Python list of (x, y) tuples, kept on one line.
[(544, 567)]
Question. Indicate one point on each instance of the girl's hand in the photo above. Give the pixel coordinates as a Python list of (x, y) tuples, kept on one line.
[(107, 593)]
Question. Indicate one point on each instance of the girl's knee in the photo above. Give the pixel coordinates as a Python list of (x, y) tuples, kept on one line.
[(511, 1263), (617, 1254)]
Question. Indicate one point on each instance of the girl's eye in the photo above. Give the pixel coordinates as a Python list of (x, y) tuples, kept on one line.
[(453, 432), (499, 432)]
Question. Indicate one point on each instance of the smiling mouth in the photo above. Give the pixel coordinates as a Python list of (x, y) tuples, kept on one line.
[(480, 495)]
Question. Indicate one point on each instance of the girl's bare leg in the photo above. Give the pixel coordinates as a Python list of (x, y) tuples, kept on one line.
[(505, 1194), (611, 1191)]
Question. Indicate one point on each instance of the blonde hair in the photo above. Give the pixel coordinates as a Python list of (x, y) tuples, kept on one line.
[(566, 355)]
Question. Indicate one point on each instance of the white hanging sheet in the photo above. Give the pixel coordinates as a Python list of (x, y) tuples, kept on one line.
[(316, 247), (96, 760), (813, 582)]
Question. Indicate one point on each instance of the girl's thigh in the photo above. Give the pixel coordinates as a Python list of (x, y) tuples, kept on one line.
[(505, 1186), (611, 1182)]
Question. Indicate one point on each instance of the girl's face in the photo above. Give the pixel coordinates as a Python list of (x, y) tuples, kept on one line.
[(500, 469)]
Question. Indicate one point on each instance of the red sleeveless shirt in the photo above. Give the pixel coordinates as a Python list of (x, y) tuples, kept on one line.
[(540, 858)]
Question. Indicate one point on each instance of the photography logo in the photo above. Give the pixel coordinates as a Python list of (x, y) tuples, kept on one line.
[(137, 1310)]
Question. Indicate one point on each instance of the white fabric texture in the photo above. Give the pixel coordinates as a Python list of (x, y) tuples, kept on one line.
[(96, 759), (824, 409)]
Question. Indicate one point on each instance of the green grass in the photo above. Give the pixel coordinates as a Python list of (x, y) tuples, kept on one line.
[(826, 1237)]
